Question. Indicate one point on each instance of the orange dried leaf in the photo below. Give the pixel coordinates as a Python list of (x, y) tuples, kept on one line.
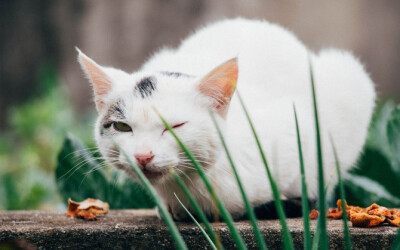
[(379, 211), (314, 214), (395, 222), (394, 218), (371, 216), (72, 207), (335, 216), (355, 209), (366, 220), (88, 209), (339, 204), (334, 213)]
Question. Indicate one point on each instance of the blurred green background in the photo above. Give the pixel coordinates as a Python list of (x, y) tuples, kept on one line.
[(45, 102)]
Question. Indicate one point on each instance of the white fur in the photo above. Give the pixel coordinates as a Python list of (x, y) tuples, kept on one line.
[(273, 75)]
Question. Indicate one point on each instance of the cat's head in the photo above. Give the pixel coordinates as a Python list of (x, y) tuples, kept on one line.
[(126, 105)]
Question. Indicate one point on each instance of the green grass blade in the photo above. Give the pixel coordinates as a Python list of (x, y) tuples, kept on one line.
[(304, 195), (222, 209), (321, 191), (197, 208), (343, 198), (197, 224), (287, 237), (317, 235), (176, 235), (249, 208), (396, 242)]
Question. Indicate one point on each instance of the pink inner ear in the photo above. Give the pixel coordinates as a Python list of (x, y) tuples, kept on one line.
[(220, 84), (101, 82)]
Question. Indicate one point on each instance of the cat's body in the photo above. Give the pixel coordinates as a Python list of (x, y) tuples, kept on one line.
[(273, 74)]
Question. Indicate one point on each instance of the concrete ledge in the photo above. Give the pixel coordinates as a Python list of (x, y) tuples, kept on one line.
[(141, 229)]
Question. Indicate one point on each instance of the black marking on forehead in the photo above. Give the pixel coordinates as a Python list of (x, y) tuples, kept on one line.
[(117, 110), (174, 74), (146, 87)]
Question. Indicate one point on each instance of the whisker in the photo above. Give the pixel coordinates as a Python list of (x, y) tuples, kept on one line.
[(183, 173)]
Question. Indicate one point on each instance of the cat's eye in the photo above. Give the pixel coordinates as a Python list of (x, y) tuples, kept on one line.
[(178, 125), (122, 127), (175, 126)]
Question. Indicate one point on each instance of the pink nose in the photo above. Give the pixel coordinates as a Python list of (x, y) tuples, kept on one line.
[(144, 159)]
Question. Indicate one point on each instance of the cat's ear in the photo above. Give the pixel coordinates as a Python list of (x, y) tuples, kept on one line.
[(220, 85), (99, 79)]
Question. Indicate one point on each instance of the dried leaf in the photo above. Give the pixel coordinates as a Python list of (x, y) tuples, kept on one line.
[(334, 213), (88, 209), (314, 214), (395, 221), (366, 220), (371, 216)]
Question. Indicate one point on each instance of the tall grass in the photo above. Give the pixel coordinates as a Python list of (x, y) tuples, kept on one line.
[(396, 243), (321, 191), (197, 224), (317, 235), (249, 208), (222, 209), (321, 232), (196, 208), (287, 237), (343, 198), (304, 193)]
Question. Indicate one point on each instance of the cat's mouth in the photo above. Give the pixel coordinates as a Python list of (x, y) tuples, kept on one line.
[(151, 175)]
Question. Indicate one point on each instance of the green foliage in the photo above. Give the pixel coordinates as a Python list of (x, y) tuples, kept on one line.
[(217, 200), (304, 194), (249, 208), (396, 243), (287, 237), (197, 209), (25, 189), (377, 175), (81, 174), (197, 224), (342, 198), (321, 185), (29, 147)]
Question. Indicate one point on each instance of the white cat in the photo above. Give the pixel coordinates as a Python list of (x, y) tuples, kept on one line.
[(270, 67)]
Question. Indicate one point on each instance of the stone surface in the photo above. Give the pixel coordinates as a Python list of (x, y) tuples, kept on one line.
[(141, 229)]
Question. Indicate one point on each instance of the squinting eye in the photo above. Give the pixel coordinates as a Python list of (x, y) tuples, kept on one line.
[(175, 126), (122, 127), (179, 125)]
